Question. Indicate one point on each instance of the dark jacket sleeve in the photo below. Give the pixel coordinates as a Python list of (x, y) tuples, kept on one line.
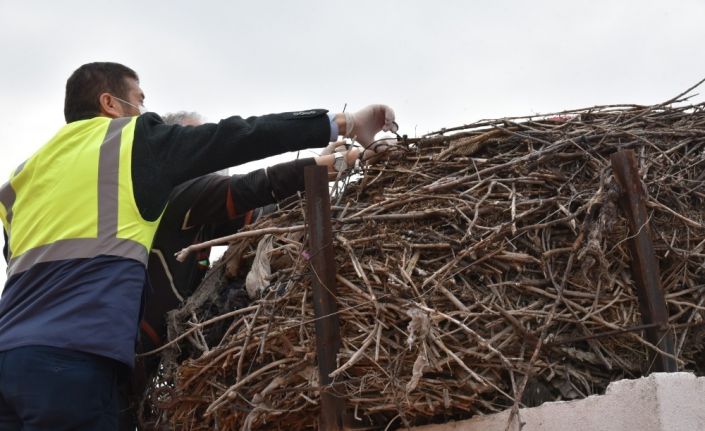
[(216, 199), (166, 155), (268, 186)]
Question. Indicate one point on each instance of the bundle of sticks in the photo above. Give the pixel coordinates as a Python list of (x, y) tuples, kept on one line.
[(478, 268)]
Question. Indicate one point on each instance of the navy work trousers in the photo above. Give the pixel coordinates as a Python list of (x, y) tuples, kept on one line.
[(48, 389)]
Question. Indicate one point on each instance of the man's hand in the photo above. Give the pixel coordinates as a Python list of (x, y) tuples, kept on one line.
[(382, 148), (333, 147), (364, 124)]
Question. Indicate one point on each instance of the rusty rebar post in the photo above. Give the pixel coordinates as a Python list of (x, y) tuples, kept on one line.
[(320, 233), (645, 265)]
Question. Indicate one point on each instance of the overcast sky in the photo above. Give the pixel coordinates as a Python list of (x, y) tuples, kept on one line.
[(437, 63)]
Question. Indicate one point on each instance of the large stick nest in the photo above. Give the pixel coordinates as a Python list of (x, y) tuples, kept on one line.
[(479, 268)]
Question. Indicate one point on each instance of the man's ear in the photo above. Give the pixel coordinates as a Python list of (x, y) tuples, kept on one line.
[(109, 106)]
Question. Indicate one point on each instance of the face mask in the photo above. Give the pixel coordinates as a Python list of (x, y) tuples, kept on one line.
[(141, 108)]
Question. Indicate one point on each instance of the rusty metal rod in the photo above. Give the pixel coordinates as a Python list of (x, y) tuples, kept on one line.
[(328, 342), (645, 265)]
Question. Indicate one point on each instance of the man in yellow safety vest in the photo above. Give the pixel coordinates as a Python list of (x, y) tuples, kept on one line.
[(79, 217)]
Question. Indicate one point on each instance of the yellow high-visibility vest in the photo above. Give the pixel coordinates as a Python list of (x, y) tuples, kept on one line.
[(74, 199)]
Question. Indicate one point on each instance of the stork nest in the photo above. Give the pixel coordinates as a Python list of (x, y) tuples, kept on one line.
[(478, 268)]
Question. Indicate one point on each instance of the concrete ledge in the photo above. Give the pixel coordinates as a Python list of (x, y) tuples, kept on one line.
[(659, 402)]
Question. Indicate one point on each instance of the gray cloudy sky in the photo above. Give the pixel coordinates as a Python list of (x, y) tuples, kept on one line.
[(439, 64)]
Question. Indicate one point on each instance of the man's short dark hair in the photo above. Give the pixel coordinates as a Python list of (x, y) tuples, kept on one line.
[(88, 82)]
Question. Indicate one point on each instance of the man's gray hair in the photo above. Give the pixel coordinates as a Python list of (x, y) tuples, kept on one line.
[(182, 118)]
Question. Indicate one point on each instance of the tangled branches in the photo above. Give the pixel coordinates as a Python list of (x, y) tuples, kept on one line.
[(476, 270)]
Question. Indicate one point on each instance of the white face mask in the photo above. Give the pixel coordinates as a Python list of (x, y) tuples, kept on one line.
[(141, 108)]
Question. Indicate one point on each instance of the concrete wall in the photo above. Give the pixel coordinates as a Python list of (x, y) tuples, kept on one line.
[(659, 402)]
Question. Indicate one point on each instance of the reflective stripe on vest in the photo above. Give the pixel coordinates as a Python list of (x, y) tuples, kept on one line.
[(7, 199), (108, 194)]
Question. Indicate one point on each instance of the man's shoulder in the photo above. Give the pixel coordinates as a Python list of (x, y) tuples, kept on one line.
[(191, 198)]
